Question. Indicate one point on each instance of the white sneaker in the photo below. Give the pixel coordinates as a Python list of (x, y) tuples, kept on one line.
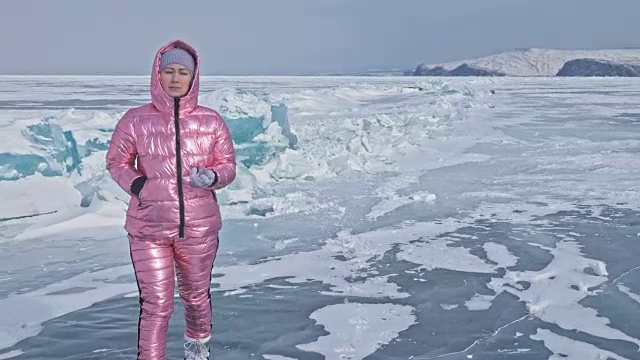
[(196, 349)]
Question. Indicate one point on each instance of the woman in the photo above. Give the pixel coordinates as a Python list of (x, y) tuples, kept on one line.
[(171, 156)]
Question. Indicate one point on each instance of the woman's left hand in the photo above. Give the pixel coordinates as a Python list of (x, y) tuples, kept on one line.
[(203, 178)]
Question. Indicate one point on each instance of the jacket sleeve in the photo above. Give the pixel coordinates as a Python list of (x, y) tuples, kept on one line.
[(224, 157), (122, 154)]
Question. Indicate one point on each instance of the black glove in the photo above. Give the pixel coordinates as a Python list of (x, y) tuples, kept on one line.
[(137, 185)]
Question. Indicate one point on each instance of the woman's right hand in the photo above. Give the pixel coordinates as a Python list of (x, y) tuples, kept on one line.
[(137, 185)]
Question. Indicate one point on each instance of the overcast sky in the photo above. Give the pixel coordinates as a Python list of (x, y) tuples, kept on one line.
[(297, 36)]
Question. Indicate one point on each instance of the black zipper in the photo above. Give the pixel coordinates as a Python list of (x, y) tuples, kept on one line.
[(176, 109)]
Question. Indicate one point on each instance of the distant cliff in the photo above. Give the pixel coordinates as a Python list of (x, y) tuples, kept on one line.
[(462, 70), (593, 67), (541, 62)]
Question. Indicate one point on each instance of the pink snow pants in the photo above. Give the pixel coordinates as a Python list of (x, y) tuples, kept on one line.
[(154, 262)]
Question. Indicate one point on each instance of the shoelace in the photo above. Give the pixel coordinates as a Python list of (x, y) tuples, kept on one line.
[(197, 349)]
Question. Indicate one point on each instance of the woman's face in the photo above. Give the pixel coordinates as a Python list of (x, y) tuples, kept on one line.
[(175, 80)]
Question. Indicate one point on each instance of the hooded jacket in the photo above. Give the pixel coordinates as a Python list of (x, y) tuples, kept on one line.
[(163, 141)]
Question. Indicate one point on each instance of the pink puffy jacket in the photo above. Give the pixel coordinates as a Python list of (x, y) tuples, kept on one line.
[(163, 140)]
